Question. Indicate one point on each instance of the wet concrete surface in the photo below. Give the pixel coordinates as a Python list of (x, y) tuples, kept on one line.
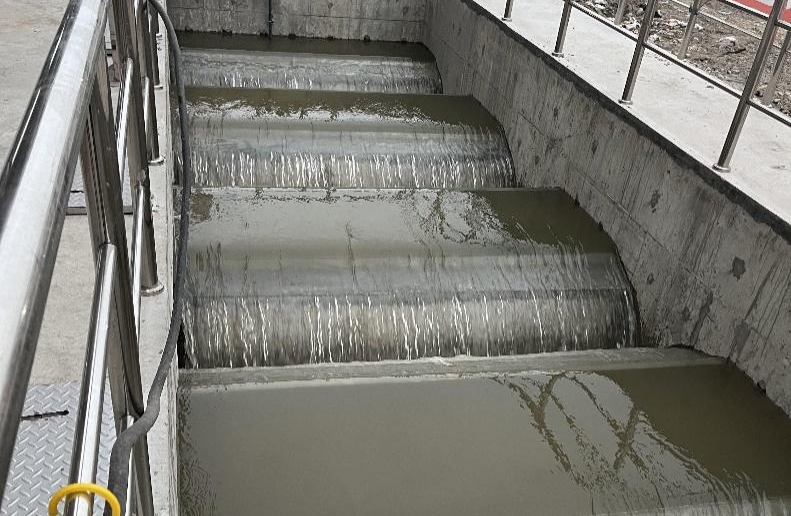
[(636, 440)]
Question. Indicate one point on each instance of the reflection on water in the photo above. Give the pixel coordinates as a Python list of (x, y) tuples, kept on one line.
[(610, 448), (281, 277), (345, 140), (636, 441)]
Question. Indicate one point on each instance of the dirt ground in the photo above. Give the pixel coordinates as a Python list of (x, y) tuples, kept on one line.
[(722, 51)]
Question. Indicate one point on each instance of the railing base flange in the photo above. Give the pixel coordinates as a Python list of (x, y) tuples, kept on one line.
[(721, 168), (558, 54), (625, 102), (506, 19), (152, 291)]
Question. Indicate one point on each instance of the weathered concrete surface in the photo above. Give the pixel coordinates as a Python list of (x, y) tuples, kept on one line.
[(382, 20), (25, 37), (709, 256)]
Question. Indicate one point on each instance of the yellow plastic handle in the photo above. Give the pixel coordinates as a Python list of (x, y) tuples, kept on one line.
[(72, 489)]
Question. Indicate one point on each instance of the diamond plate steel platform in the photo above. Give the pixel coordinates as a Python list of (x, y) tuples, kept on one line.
[(43, 448)]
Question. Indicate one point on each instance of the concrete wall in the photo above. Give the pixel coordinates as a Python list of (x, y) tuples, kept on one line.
[(710, 267), (384, 20)]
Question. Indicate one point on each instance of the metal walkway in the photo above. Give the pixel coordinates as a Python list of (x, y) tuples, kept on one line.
[(43, 449)]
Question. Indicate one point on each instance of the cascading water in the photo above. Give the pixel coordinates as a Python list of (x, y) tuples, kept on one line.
[(278, 138), (291, 276), (240, 69), (364, 224), (306, 64), (284, 277)]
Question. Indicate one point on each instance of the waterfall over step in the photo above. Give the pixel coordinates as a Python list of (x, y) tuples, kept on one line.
[(281, 138), (308, 64), (281, 277), (458, 345)]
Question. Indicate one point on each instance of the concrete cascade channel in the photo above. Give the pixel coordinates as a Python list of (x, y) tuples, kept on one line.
[(380, 319)]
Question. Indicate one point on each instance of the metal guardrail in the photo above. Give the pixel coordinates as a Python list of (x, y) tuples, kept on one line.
[(746, 96), (71, 114)]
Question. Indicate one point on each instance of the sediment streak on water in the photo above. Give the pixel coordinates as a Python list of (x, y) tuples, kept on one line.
[(281, 277)]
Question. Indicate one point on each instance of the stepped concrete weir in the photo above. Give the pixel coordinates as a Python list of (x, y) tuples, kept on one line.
[(433, 268), (395, 322), (308, 64), (328, 139), (281, 277)]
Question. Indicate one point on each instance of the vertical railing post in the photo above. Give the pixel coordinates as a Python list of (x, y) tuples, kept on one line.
[(771, 86), (564, 24), (509, 9), (694, 10), (618, 18), (105, 211), (761, 55), (106, 220), (88, 430), (146, 63), (137, 155), (153, 27), (639, 50)]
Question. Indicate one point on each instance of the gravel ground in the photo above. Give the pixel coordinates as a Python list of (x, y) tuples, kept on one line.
[(722, 51)]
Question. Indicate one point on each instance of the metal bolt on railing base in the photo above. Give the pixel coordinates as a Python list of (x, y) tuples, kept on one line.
[(156, 161), (153, 291)]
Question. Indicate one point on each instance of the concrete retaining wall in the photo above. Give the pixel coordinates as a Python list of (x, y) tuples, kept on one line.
[(710, 267), (384, 20)]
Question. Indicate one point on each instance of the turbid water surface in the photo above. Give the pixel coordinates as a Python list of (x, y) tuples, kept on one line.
[(696, 440)]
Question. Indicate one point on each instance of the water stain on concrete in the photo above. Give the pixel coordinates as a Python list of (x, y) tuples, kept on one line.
[(738, 268), (655, 200)]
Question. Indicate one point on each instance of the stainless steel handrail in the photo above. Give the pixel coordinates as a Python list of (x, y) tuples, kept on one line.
[(34, 187), (71, 114), (746, 96), (720, 84), (89, 417)]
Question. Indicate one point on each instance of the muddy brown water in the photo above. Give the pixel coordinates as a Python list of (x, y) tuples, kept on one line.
[(678, 440)]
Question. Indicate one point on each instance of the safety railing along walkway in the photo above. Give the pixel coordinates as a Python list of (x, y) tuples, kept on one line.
[(71, 114), (774, 19)]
